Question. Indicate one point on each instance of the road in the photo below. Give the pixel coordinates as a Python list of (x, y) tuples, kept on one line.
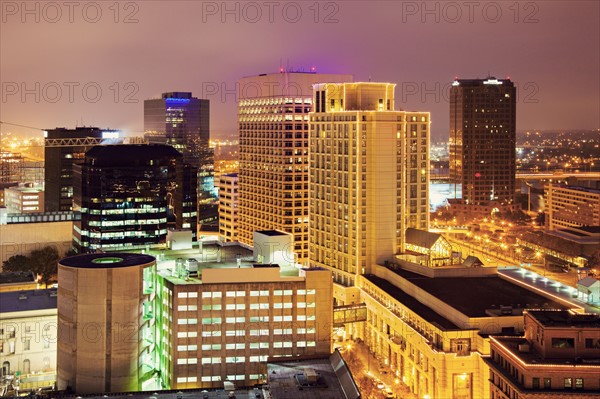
[(370, 366)]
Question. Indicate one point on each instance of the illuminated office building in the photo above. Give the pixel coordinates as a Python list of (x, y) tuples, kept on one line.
[(369, 174), (24, 198), (183, 122), (273, 132), (483, 143), (224, 325), (128, 196)]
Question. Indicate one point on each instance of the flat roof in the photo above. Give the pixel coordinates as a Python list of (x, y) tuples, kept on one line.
[(109, 260), (213, 256), (564, 318), (472, 296), (16, 277), (533, 357), (589, 229), (272, 233), (422, 310), (285, 377), (26, 300)]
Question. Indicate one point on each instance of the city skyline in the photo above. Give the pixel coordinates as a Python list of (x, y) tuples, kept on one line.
[(129, 61)]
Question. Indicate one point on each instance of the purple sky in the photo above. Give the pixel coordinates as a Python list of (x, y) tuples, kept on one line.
[(551, 49)]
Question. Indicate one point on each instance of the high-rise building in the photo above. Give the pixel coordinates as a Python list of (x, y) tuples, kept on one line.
[(228, 207), (128, 196), (369, 174), (183, 121), (63, 149), (273, 130), (483, 143)]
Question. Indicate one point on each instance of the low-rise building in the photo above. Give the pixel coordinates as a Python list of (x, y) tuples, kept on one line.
[(24, 198), (17, 281), (28, 336), (557, 357), (225, 324), (571, 206), (22, 234), (431, 324)]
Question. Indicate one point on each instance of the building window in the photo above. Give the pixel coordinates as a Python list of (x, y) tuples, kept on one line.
[(27, 344), (592, 343), (535, 383), (563, 343), (568, 383), (547, 383), (5, 368), (578, 383), (27, 367)]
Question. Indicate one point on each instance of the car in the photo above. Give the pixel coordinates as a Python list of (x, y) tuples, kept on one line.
[(389, 394), (380, 385)]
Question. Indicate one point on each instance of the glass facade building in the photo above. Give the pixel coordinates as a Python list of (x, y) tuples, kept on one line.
[(128, 196)]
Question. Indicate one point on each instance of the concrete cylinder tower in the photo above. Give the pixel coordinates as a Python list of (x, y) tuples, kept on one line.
[(105, 322)]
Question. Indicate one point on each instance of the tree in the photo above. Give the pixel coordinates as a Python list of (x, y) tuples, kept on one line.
[(594, 260), (45, 263), (16, 263)]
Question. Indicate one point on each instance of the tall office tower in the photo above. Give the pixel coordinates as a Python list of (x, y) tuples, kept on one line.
[(482, 143), (273, 178), (128, 196), (63, 149), (183, 121), (369, 174)]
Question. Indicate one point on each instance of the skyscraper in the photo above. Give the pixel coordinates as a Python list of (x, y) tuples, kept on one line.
[(128, 196), (482, 144), (273, 178), (63, 149), (369, 172), (183, 121)]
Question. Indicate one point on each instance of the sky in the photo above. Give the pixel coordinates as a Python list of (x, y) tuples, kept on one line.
[(93, 63)]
